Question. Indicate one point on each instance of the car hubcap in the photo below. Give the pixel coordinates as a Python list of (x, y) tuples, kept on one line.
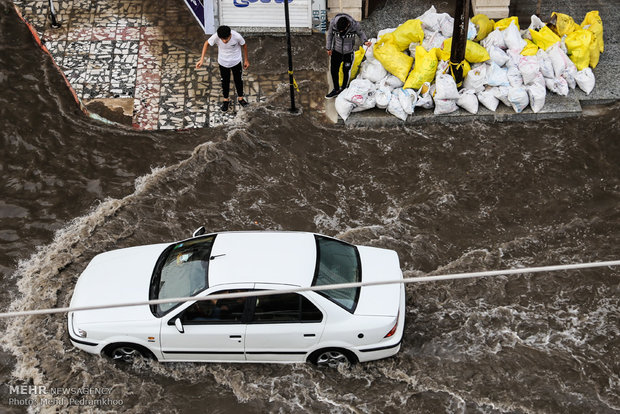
[(125, 354), (332, 359)]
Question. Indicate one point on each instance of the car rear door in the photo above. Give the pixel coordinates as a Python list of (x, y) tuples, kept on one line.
[(212, 331), (282, 328)]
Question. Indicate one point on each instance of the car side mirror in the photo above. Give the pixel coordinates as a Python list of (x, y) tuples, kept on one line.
[(199, 231), (179, 325)]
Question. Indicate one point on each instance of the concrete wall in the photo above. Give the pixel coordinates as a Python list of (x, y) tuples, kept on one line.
[(351, 7), (495, 9)]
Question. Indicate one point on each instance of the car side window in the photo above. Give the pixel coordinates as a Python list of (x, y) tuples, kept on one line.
[(286, 308), (220, 311)]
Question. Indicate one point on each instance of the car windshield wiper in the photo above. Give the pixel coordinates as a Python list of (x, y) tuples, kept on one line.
[(217, 255)]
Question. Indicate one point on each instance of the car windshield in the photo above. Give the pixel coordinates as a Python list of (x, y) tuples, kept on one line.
[(182, 270), (338, 262)]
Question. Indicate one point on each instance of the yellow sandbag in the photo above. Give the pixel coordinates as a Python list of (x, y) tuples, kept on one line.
[(530, 48), (578, 46), (594, 52), (564, 24), (544, 38), (484, 25), (393, 60), (595, 25), (357, 60), (474, 52), (504, 23), (424, 69), (407, 33)]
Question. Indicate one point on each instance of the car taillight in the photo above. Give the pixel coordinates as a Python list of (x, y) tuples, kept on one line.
[(393, 330)]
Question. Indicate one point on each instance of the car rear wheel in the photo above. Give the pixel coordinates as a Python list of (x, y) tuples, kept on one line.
[(126, 352), (332, 358)]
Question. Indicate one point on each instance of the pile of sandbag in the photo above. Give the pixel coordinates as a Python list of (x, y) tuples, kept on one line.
[(408, 67)]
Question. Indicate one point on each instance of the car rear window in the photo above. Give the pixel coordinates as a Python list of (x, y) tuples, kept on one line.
[(338, 262)]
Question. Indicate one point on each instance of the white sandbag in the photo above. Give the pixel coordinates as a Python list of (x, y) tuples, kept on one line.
[(372, 70), (412, 47), (432, 40), (537, 94), (495, 38), (368, 103), (370, 50), (446, 88), (384, 31), (513, 57), (392, 81), (476, 78), (497, 55), (443, 67), (430, 20), (472, 31), (383, 96), (529, 68), (497, 76), (558, 59), (539, 80), (569, 74), (358, 91), (425, 96), (519, 99), (546, 67), (446, 24), (468, 101), (501, 93), (513, 39), (585, 79), (557, 85), (408, 99), (445, 106), (536, 24), (488, 99), (514, 76), (395, 108), (343, 107)]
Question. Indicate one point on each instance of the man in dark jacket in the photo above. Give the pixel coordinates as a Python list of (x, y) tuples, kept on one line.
[(341, 46)]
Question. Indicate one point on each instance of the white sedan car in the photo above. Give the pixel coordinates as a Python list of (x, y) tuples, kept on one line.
[(345, 325)]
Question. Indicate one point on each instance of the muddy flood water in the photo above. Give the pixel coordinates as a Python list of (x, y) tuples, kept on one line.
[(447, 198)]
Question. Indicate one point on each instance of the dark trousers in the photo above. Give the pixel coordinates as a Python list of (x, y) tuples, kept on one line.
[(237, 71), (347, 61)]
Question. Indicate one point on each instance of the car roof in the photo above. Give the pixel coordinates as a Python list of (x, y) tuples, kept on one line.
[(287, 258)]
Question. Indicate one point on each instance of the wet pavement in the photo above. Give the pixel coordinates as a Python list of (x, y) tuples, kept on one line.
[(133, 62)]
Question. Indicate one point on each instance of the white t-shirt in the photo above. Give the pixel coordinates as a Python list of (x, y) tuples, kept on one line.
[(228, 54)]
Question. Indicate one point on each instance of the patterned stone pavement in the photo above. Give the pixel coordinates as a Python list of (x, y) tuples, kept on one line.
[(129, 54)]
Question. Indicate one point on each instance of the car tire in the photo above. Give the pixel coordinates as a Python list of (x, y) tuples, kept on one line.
[(332, 357), (125, 352)]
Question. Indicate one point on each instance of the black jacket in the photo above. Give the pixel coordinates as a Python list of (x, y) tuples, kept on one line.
[(344, 43)]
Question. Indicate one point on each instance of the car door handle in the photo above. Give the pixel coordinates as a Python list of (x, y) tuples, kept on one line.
[(235, 336), (309, 335)]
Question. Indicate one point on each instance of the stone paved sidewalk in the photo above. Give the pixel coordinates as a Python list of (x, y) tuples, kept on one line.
[(129, 55)]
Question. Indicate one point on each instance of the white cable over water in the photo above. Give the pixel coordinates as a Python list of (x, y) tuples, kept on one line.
[(421, 279)]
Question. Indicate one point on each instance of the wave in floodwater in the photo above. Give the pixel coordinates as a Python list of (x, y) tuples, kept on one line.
[(446, 198)]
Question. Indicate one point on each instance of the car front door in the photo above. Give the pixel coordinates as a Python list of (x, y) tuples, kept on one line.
[(282, 328), (211, 331)]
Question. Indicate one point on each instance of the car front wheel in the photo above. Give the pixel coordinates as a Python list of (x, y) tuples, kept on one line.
[(332, 358), (126, 352)]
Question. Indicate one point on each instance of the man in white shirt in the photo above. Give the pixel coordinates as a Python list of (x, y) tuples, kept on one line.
[(229, 46)]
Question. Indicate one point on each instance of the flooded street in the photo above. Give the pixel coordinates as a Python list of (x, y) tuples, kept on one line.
[(447, 198)]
